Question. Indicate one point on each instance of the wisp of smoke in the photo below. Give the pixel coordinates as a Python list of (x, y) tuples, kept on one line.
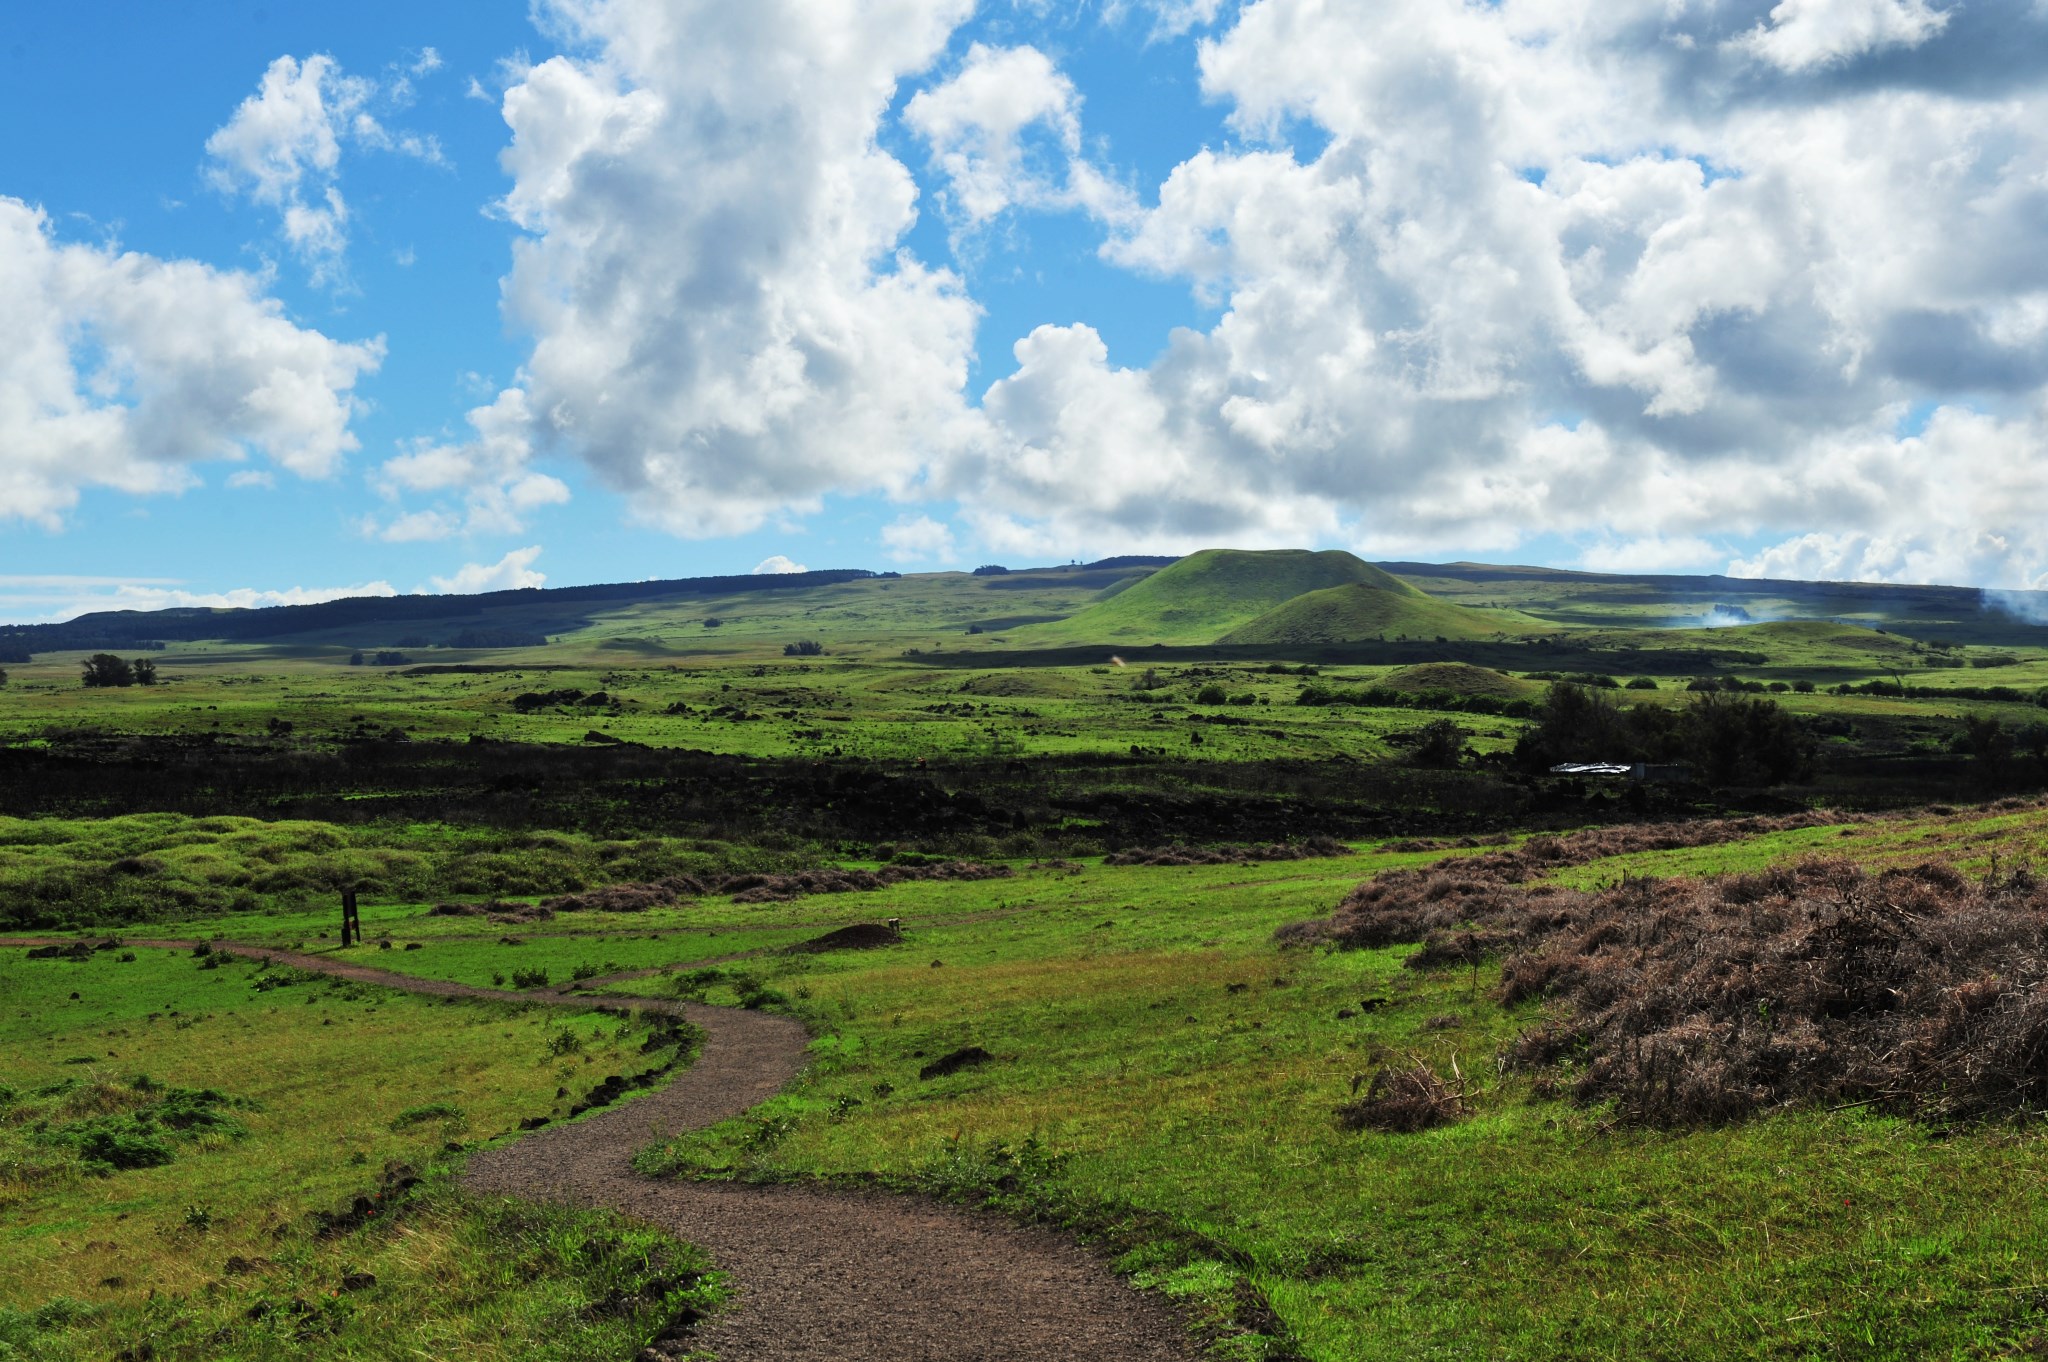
[(2030, 606)]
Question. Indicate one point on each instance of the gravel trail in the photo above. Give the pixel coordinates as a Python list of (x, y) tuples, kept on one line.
[(818, 1275)]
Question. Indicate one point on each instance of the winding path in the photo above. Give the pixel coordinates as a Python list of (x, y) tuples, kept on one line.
[(818, 1275)]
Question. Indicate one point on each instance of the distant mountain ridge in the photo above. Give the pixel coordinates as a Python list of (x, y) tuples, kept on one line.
[(129, 629), (1222, 597)]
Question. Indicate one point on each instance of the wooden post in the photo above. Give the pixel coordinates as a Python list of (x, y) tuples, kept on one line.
[(350, 922)]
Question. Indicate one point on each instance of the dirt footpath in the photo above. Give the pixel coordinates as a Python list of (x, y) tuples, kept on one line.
[(818, 1275)]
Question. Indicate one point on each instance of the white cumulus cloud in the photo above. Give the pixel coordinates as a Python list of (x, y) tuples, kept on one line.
[(489, 475), (513, 572), (121, 370), (915, 539), (1801, 34), (777, 564), (1649, 276), (283, 146), (725, 324), (1573, 269), (980, 126)]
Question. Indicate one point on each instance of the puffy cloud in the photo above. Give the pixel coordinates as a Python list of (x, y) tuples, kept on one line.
[(1960, 502), (724, 324), (287, 134), (777, 564), (1648, 275), (513, 572), (1563, 269), (282, 147), (121, 370), (1106, 449), (914, 539), (489, 472), (1802, 34), (976, 124)]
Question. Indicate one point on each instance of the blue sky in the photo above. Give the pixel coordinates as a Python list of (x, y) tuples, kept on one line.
[(925, 283)]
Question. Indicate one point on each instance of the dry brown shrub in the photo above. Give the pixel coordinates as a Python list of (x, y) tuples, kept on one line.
[(1405, 1100), (764, 888), (616, 898), (1916, 990), (1313, 848), (782, 888)]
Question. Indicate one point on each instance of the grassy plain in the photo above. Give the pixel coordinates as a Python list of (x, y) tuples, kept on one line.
[(1158, 1061), (1159, 1064), (947, 664), (325, 1093), (1165, 1057)]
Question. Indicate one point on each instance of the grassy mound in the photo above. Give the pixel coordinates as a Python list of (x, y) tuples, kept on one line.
[(1461, 678), (1210, 593), (1821, 642), (1376, 609)]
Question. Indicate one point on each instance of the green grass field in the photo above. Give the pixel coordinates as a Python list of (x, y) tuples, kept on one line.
[(928, 667), (1149, 1036), (1162, 1074), (1157, 1061), (125, 1221)]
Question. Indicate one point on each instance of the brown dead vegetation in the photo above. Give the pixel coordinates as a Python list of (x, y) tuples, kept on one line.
[(1917, 991), (1405, 1100), (1313, 848), (764, 888)]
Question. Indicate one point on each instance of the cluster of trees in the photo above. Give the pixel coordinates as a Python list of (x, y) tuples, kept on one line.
[(1999, 694), (1382, 697), (1728, 738), (1996, 748), (105, 669), (804, 647), (387, 658)]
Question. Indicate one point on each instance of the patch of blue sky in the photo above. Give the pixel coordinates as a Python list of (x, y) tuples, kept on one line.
[(1913, 421)]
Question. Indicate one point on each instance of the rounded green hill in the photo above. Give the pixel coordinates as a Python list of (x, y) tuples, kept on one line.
[(1211, 593)]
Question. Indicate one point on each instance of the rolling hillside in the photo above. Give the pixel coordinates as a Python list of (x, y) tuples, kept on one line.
[(1374, 610), (1209, 594)]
